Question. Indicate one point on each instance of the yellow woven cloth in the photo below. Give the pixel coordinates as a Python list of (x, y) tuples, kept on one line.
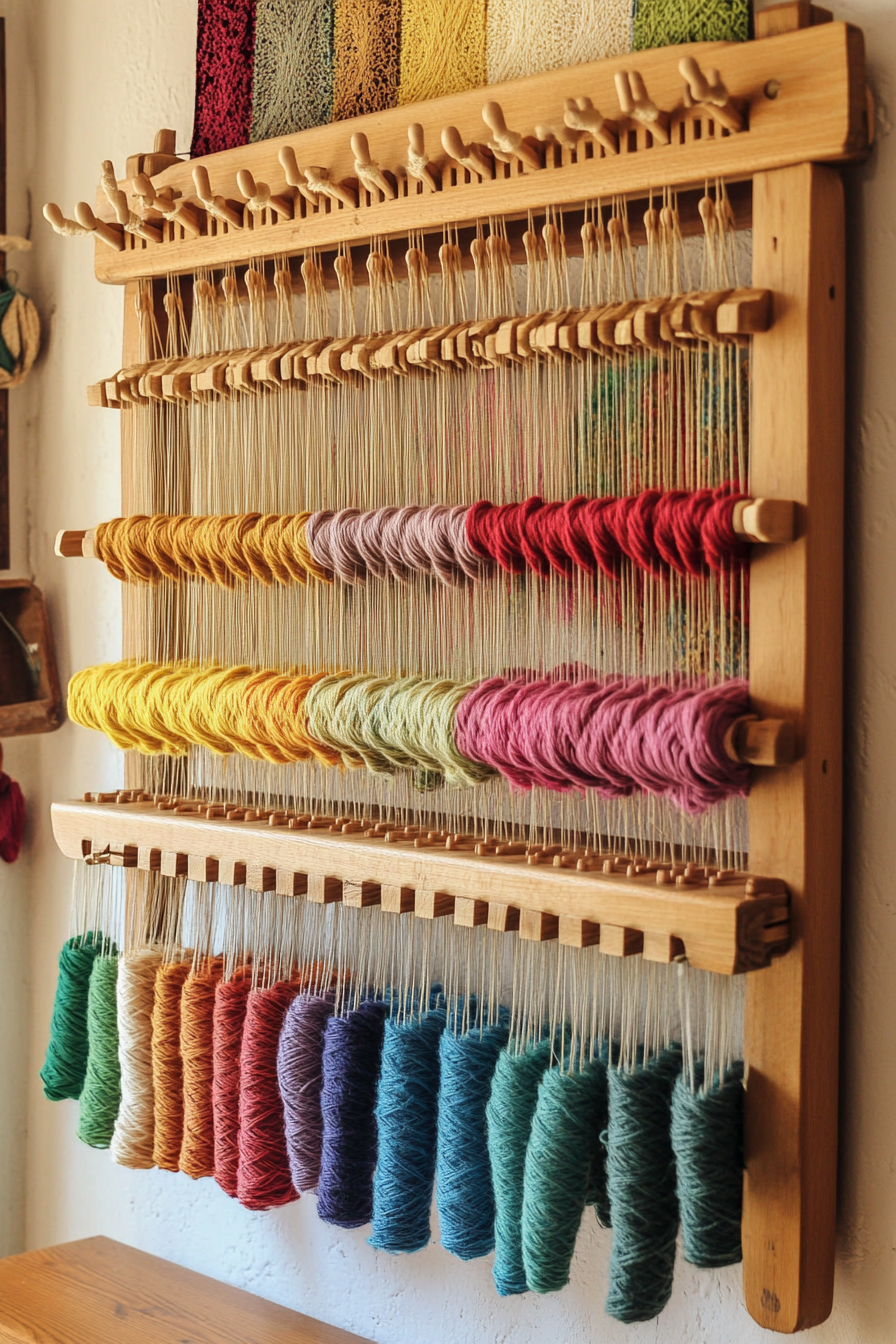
[(442, 48)]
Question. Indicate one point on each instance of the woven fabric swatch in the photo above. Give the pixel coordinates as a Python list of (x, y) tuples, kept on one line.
[(664, 23), (442, 48), (367, 56), (225, 46), (525, 37), (293, 84)]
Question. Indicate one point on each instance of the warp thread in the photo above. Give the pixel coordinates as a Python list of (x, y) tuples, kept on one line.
[(564, 1146), (511, 1106), (464, 1194), (225, 46), (300, 1075), (641, 1184), (167, 1066), (407, 1120), (66, 1059), (231, 998), (132, 1142), (263, 1179), (707, 1140), (353, 1046), (101, 1095), (197, 1008)]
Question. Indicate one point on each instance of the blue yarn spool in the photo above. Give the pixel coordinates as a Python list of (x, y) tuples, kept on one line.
[(463, 1174), (407, 1119), (563, 1148), (353, 1047), (509, 1112), (707, 1139), (641, 1185)]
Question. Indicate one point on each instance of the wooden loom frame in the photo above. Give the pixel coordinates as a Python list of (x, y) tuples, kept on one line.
[(818, 116)]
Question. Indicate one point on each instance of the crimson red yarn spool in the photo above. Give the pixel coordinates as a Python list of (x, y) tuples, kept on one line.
[(12, 816)]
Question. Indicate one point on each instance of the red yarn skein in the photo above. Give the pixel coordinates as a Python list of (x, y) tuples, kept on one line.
[(12, 817)]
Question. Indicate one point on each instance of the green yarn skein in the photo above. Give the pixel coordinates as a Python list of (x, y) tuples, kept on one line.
[(509, 1113), (101, 1096), (66, 1059), (708, 1141), (563, 1145), (666, 23)]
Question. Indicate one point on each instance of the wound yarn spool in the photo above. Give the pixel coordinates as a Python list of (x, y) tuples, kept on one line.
[(197, 1008), (564, 1146), (641, 1184), (707, 1140), (167, 1065), (101, 1094), (263, 1179), (464, 1194), (300, 1075), (231, 997), (12, 817), (353, 1046), (511, 1106), (132, 1142), (66, 1059), (407, 1122)]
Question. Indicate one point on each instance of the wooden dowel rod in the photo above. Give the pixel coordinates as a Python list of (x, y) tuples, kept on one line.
[(70, 544)]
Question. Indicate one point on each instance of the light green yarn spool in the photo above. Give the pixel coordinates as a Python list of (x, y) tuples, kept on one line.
[(101, 1096)]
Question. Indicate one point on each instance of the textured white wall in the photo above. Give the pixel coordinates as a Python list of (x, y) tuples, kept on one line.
[(93, 79)]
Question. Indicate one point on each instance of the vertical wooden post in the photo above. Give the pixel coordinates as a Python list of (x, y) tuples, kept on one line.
[(134, 766), (795, 813)]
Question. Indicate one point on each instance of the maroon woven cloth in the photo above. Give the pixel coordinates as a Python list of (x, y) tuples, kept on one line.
[(225, 52)]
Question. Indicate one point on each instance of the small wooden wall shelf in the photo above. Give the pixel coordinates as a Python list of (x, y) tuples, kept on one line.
[(26, 707)]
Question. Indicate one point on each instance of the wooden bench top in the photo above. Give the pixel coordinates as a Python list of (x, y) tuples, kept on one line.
[(99, 1291)]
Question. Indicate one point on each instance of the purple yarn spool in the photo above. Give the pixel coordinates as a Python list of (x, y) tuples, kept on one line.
[(300, 1074), (353, 1047)]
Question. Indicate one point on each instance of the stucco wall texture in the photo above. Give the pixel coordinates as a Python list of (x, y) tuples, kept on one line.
[(93, 79)]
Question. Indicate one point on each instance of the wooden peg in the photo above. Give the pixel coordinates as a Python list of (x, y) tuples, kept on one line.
[(359, 895), (709, 89), (574, 932), (469, 913), (260, 877), (745, 312), (503, 918), (258, 196), (370, 173), (417, 163), (216, 206), (433, 904), (771, 521), (581, 115), (620, 942), (756, 741), (662, 947), (324, 890), (177, 210), (537, 926), (70, 544), (561, 135), (111, 234), (475, 158), (636, 103), (164, 154), (396, 900), (320, 184), (506, 144), (66, 228)]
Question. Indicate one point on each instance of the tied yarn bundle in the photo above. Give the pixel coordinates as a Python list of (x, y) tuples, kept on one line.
[(641, 1184), (101, 1094), (464, 1194), (616, 736), (353, 1046), (300, 1075), (228, 1021), (407, 1120), (65, 1063), (167, 1065), (562, 1169), (132, 1142), (197, 1007), (263, 1179), (12, 817), (707, 1139), (511, 1106)]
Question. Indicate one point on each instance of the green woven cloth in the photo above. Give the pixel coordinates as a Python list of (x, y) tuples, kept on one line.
[(666, 23)]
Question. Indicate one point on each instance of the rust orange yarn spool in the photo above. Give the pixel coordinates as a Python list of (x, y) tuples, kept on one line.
[(197, 1007), (231, 998)]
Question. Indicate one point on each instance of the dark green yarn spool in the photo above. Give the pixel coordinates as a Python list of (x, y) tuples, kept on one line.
[(101, 1094), (641, 1185), (708, 1142), (563, 1146), (666, 23), (509, 1113), (66, 1059)]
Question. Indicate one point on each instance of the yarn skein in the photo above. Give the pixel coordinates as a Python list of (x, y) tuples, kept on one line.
[(641, 1184), (167, 1065), (464, 1193), (300, 1075), (263, 1179), (231, 997), (511, 1106), (352, 1052), (101, 1094), (132, 1142), (407, 1121), (707, 1139), (197, 1007), (66, 1059), (563, 1147)]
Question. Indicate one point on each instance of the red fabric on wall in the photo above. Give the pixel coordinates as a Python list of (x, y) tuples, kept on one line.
[(225, 49)]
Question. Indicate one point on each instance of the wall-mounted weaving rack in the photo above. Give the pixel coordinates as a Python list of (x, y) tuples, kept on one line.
[(792, 106)]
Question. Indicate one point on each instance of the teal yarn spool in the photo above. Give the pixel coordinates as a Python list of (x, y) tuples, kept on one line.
[(641, 1185), (708, 1142), (509, 1113), (563, 1147), (101, 1095), (66, 1059), (464, 1193), (666, 23), (407, 1119)]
